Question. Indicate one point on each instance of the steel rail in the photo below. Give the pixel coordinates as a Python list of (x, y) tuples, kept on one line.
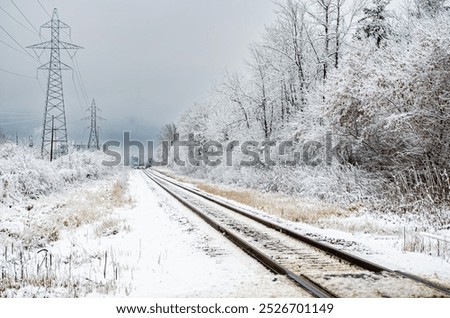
[(314, 289), (353, 259)]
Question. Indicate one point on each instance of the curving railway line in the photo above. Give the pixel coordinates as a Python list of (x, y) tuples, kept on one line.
[(318, 268)]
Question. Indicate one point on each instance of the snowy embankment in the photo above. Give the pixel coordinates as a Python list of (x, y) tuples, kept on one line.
[(23, 177), (40, 202)]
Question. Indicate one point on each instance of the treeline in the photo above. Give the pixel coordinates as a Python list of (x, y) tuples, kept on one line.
[(379, 82)]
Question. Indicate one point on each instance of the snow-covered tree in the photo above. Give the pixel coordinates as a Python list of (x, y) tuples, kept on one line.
[(288, 39), (428, 8), (393, 102), (168, 132), (3, 137), (262, 85), (233, 89), (375, 23), (333, 21)]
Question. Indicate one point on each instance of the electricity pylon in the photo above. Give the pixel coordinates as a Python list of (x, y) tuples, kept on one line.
[(54, 137), (94, 139)]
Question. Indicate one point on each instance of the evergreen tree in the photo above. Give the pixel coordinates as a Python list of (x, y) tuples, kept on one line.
[(374, 24)]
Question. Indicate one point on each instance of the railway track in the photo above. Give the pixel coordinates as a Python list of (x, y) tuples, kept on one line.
[(318, 268)]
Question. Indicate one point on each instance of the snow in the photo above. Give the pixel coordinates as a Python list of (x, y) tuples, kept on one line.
[(119, 235), (143, 245), (380, 239), (171, 255)]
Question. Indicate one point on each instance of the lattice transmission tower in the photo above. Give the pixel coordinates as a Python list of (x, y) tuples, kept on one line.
[(54, 133), (94, 139)]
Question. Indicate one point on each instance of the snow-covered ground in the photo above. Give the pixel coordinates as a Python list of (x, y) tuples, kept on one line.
[(122, 236), (169, 252)]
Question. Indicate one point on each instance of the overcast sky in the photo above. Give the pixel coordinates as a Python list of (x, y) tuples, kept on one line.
[(144, 61)]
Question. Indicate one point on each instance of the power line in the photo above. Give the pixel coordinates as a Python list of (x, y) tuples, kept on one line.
[(12, 47), (39, 82), (17, 42), (17, 113), (80, 80), (80, 128), (17, 21), (43, 8), (26, 53), (36, 31), (25, 117), (78, 95), (24, 16), (16, 74), (80, 85), (19, 122), (40, 85)]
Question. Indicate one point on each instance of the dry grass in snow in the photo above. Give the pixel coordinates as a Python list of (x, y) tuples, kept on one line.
[(407, 229), (285, 206), (292, 209), (32, 261)]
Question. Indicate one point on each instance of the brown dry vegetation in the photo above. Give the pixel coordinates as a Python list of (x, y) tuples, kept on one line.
[(40, 272), (287, 207)]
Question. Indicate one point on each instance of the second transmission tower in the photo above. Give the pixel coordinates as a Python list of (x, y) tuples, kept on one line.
[(54, 135), (94, 139)]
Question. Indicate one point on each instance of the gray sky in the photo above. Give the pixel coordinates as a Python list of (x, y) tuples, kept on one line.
[(144, 61)]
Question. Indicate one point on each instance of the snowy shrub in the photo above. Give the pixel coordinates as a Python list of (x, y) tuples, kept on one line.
[(393, 103), (23, 176)]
